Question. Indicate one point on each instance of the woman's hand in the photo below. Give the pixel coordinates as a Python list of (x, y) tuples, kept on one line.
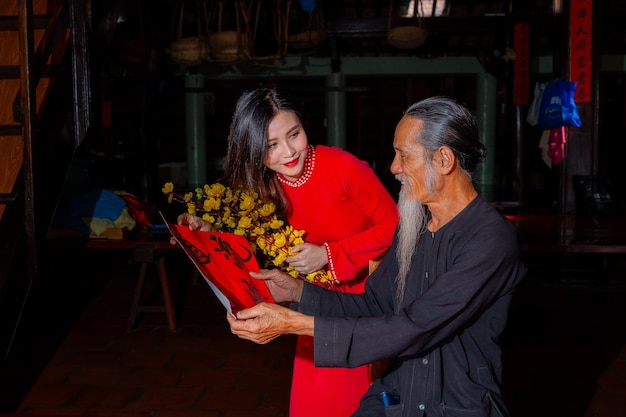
[(282, 286), (309, 258), (194, 223), (265, 322)]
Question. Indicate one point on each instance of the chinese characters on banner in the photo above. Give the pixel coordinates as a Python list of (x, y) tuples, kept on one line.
[(580, 48), (224, 260), (522, 65)]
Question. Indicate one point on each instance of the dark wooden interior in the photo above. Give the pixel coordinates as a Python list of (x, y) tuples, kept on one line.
[(92, 98)]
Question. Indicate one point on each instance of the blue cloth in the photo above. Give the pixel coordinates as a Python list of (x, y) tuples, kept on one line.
[(98, 203), (308, 5)]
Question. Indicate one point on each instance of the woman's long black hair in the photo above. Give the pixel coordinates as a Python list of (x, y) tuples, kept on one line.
[(247, 143)]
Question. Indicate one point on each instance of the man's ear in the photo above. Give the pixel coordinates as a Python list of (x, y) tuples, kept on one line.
[(447, 160)]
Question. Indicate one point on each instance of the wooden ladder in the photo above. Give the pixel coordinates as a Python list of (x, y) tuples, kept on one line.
[(37, 45)]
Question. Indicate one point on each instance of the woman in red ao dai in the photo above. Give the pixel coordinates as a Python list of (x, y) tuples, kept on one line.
[(348, 215)]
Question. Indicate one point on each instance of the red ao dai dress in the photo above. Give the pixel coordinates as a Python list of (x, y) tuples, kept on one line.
[(341, 204)]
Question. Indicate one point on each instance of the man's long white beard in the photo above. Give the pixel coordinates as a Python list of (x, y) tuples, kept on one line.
[(410, 227)]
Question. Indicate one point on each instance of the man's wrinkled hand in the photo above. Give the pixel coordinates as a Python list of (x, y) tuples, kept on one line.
[(265, 322)]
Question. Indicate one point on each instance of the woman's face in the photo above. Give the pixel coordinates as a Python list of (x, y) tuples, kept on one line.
[(286, 145)]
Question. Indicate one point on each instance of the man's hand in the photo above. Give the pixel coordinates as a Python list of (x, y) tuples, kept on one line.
[(265, 322), (308, 258), (194, 223), (282, 286)]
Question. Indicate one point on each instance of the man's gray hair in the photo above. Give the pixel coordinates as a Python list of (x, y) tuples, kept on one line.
[(448, 122)]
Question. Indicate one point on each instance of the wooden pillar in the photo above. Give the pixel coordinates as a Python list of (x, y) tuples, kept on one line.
[(195, 123), (486, 112), (336, 110)]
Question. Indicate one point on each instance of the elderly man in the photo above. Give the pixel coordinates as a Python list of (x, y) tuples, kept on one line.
[(437, 303)]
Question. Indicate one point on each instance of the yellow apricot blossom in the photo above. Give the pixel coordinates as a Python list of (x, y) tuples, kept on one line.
[(279, 259), (247, 203), (168, 188), (215, 190), (244, 223), (267, 209), (276, 223), (242, 212), (279, 240), (211, 204)]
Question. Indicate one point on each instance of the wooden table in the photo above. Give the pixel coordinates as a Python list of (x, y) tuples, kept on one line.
[(147, 250), (571, 234), (573, 248)]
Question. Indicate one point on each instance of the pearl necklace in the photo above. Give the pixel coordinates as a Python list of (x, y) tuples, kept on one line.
[(309, 165)]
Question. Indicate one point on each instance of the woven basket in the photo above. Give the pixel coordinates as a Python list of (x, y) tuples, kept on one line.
[(305, 40), (188, 51), (407, 37), (224, 46)]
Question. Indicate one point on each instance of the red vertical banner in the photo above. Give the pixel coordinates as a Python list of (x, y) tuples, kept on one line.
[(521, 68), (580, 48)]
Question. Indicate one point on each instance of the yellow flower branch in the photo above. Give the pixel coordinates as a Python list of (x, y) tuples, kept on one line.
[(242, 212)]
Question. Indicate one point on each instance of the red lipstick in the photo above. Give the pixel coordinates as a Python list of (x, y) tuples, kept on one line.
[(292, 163)]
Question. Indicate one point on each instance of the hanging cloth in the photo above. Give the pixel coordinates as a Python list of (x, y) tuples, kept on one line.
[(533, 111), (556, 145)]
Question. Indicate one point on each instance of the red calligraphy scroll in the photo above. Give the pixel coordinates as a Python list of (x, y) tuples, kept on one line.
[(224, 260), (580, 48), (521, 68)]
